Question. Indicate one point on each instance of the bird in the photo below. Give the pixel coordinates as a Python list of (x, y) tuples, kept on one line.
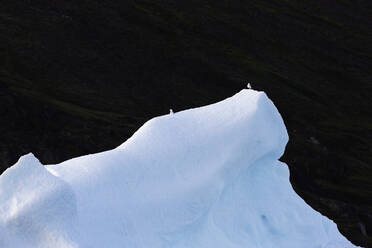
[(171, 111), (249, 86)]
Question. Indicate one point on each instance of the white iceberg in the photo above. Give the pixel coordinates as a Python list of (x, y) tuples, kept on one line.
[(205, 177)]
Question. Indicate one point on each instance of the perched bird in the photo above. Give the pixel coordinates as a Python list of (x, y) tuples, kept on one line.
[(249, 86), (171, 111)]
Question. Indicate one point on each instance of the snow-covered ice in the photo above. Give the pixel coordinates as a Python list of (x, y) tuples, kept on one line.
[(205, 177)]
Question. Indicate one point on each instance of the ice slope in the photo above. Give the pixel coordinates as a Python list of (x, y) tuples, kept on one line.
[(205, 177)]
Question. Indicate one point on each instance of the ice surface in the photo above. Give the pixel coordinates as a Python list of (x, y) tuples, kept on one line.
[(205, 177), (37, 209)]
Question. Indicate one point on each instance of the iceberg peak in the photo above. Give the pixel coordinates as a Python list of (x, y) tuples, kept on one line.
[(204, 177)]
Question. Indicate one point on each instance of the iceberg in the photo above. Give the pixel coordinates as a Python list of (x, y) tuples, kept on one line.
[(205, 177)]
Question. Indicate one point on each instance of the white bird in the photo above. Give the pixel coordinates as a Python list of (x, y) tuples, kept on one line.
[(249, 86), (171, 111)]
